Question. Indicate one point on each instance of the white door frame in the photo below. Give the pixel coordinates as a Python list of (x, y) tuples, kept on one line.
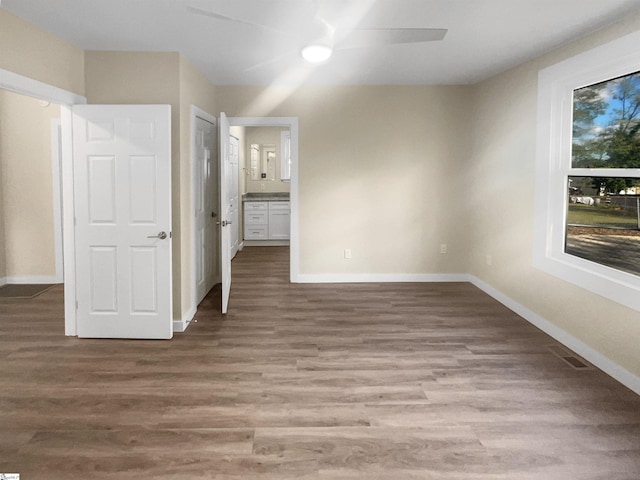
[(196, 112), (56, 159), (27, 86), (292, 124)]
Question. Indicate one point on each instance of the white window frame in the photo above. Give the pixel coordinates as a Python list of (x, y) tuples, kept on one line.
[(556, 85)]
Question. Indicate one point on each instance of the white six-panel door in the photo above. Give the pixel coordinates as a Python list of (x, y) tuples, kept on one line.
[(122, 186), (205, 214)]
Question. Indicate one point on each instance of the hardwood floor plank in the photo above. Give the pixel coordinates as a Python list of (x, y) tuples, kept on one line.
[(310, 382), (368, 449)]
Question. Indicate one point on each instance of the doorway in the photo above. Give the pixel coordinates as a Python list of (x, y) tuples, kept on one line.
[(30, 203), (225, 235), (27, 86), (279, 124), (264, 166), (204, 206)]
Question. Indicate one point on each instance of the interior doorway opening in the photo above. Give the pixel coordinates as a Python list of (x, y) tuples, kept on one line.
[(17, 83), (226, 178), (30, 190), (263, 164), (205, 209), (260, 175)]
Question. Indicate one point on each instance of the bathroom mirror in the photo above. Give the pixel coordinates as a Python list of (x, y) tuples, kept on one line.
[(263, 162)]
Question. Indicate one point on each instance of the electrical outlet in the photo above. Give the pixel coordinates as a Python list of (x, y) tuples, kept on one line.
[(443, 248), (489, 260), (347, 253)]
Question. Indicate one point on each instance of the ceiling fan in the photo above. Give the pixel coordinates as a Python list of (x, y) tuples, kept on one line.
[(319, 38)]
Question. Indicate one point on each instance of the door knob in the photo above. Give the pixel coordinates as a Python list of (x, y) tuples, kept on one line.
[(224, 223), (161, 236)]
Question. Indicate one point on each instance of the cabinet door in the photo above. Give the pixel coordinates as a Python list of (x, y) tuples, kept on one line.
[(279, 221)]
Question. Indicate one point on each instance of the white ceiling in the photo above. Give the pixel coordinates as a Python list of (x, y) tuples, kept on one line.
[(484, 37)]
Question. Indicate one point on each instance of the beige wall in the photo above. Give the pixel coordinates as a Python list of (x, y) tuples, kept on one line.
[(27, 186), (30, 51), (34, 53), (3, 254), (501, 169), (381, 169), (265, 136)]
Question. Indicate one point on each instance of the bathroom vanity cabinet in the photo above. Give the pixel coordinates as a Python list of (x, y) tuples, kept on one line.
[(267, 220)]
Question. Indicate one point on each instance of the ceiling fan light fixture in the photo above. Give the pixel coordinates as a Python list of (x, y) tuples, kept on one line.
[(316, 53)]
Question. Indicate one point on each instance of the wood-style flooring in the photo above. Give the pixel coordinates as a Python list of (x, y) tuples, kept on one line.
[(366, 381)]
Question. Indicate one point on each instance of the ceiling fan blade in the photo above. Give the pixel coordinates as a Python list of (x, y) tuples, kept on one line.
[(271, 61), (375, 37), (218, 16)]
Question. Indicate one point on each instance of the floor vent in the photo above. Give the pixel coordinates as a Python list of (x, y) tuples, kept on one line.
[(570, 358)]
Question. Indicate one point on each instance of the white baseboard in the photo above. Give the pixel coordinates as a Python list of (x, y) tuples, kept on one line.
[(240, 246), (3, 281), (265, 243), (605, 364), (33, 280), (382, 278), (180, 326)]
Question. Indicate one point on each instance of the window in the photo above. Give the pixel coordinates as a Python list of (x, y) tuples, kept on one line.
[(588, 171)]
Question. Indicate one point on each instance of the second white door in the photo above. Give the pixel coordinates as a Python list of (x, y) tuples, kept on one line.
[(204, 207)]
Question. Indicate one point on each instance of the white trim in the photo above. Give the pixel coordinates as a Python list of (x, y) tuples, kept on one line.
[(68, 223), (266, 243), (292, 124), (56, 158), (180, 326), (605, 364), (3, 281), (34, 88), (32, 279), (196, 112), (382, 277), (556, 85)]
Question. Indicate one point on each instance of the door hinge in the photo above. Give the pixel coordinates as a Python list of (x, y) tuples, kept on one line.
[(76, 305), (170, 234)]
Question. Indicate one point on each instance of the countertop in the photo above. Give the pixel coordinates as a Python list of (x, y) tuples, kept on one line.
[(266, 197)]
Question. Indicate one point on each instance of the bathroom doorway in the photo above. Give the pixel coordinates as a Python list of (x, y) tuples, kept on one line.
[(264, 185), (267, 134)]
